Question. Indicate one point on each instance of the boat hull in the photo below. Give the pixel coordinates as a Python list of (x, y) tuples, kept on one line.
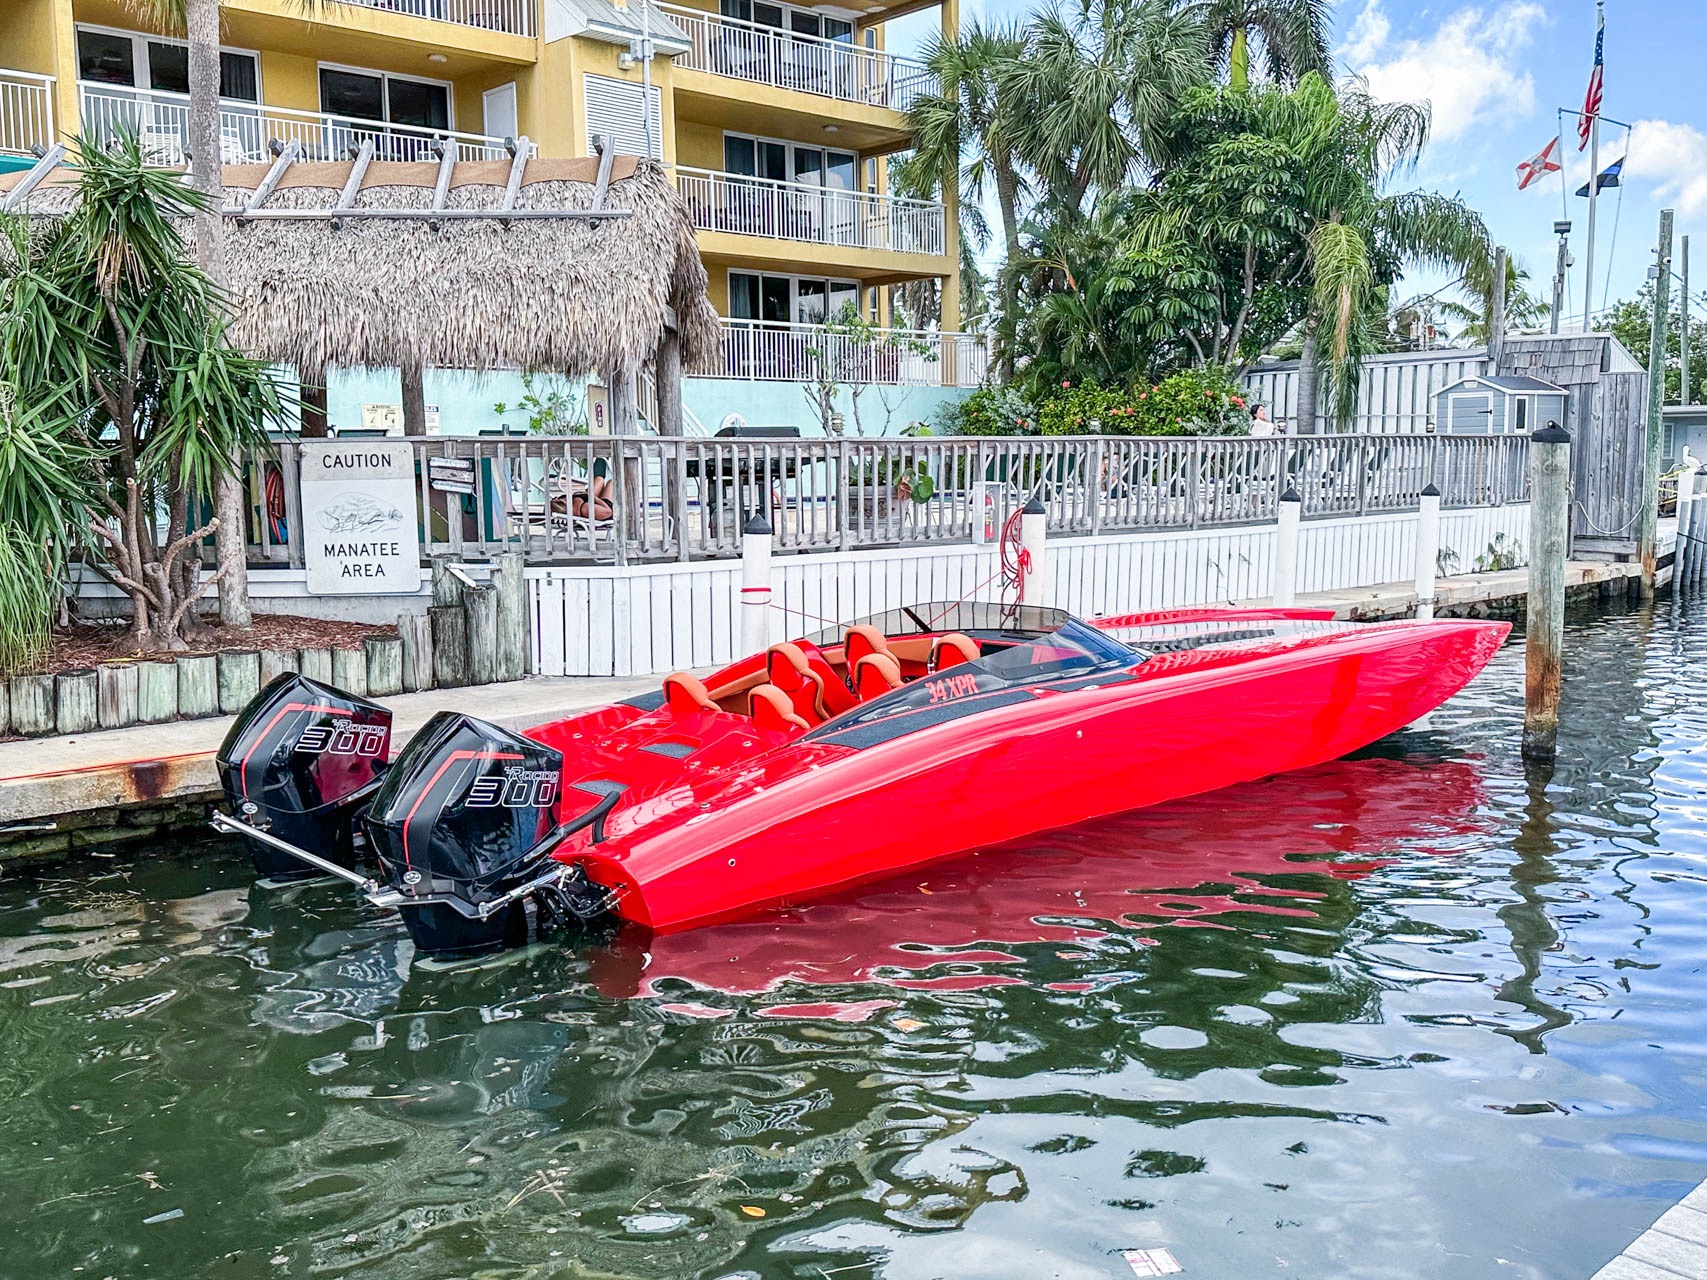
[(861, 808)]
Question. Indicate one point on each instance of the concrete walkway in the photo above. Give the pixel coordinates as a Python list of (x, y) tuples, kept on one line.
[(1674, 1248), (165, 763)]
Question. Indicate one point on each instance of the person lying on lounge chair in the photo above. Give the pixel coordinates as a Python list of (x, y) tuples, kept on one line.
[(586, 501)]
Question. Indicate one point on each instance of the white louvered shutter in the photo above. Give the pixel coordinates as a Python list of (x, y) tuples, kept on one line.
[(613, 109)]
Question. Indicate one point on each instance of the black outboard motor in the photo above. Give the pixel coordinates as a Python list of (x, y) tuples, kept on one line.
[(463, 828), (298, 764)]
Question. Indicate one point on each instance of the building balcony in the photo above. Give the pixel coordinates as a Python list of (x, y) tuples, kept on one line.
[(801, 212), (770, 352), (161, 122), (737, 50), (26, 112), (514, 17)]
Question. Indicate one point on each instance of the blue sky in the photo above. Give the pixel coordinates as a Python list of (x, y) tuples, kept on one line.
[(1495, 73)]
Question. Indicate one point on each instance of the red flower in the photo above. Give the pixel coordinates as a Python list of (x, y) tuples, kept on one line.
[(1065, 384), (1143, 395), (1240, 401)]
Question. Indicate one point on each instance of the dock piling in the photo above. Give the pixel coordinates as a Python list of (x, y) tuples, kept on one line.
[(349, 671), (116, 694), (384, 665), (450, 645), (156, 692), (239, 680), (513, 649), (32, 706), (1649, 542), (755, 597), (1034, 549), (480, 605), (1428, 550), (1681, 554), (198, 685), (1550, 468), (76, 701), (415, 630), (1286, 549)]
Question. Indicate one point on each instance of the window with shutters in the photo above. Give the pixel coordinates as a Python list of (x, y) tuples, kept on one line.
[(613, 109)]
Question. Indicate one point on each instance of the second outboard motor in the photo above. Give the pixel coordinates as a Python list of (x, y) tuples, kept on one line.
[(462, 823), (302, 758)]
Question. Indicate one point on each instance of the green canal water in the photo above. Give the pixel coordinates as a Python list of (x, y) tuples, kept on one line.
[(1411, 1014)]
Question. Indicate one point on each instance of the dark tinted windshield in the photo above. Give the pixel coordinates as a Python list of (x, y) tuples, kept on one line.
[(1070, 651), (1020, 621)]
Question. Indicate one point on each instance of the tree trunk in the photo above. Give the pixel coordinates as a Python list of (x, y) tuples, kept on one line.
[(1007, 202), (201, 29), (312, 395), (1239, 60), (414, 399), (1307, 382)]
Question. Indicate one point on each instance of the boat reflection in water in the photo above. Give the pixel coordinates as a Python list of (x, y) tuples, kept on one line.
[(1175, 865)]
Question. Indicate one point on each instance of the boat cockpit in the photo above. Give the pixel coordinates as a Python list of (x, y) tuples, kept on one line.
[(888, 663)]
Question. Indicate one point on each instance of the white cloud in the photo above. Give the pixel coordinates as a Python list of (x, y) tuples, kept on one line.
[(1468, 68), (1675, 157), (1368, 35)]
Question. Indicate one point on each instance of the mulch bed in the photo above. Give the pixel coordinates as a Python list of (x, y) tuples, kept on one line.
[(87, 646)]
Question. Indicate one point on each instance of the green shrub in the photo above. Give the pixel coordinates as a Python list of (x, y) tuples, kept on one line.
[(988, 411), (1191, 402), (26, 602)]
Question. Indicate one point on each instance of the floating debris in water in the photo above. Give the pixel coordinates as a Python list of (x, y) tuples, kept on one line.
[(168, 1216), (1151, 1262)]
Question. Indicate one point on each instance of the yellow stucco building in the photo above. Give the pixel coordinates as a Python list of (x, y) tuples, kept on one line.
[(775, 118)]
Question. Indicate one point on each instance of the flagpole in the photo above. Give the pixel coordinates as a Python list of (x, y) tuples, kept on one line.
[(1593, 188)]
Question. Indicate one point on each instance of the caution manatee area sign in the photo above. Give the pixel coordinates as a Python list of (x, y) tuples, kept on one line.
[(359, 534)]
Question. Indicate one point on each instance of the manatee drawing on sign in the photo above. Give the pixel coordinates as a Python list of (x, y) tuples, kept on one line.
[(360, 513)]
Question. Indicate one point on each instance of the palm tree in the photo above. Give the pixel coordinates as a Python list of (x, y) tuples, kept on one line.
[(968, 130), (1096, 83), (1522, 309), (1293, 33), (1350, 147)]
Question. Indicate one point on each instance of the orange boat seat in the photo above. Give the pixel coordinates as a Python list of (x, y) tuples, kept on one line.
[(876, 675), (951, 650), (687, 695), (773, 711), (788, 670), (861, 642)]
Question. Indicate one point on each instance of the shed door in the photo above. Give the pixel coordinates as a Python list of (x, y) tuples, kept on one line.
[(1470, 413)]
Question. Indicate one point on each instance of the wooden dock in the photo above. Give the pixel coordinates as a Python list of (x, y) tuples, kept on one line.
[(1471, 594), (1674, 1247)]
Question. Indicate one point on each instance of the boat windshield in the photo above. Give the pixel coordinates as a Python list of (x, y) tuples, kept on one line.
[(1073, 648), (1017, 621)]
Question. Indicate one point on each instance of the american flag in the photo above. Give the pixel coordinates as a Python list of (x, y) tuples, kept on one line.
[(1596, 82)]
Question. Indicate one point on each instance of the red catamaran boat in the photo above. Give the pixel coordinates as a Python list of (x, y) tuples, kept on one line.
[(836, 758)]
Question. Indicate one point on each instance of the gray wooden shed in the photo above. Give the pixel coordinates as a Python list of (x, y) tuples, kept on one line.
[(1499, 405), (1607, 417)]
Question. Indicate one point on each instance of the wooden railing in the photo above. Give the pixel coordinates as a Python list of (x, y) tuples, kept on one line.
[(645, 498), (789, 60)]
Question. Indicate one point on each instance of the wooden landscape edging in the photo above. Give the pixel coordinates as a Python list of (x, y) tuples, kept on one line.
[(485, 639)]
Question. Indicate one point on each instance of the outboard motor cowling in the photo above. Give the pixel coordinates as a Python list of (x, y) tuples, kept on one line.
[(299, 763), (462, 823)]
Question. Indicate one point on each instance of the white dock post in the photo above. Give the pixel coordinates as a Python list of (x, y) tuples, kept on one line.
[(1428, 550), (755, 596), (1034, 551), (1681, 550), (1286, 549)]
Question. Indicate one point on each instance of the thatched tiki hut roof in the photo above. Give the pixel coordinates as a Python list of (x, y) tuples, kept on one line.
[(563, 294), (549, 294)]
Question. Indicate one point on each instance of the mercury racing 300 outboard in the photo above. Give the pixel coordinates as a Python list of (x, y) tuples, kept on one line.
[(298, 765), (463, 829)]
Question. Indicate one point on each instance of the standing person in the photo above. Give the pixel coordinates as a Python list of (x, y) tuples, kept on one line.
[(1260, 424)]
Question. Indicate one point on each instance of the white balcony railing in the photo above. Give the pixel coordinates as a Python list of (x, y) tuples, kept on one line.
[(809, 64), (813, 214), (161, 121), (26, 111), (772, 352), (512, 16)]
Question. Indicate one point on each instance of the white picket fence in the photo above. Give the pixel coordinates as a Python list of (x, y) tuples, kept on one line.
[(653, 619)]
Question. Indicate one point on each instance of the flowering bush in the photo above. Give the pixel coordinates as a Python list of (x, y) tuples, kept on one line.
[(1188, 403), (989, 411)]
